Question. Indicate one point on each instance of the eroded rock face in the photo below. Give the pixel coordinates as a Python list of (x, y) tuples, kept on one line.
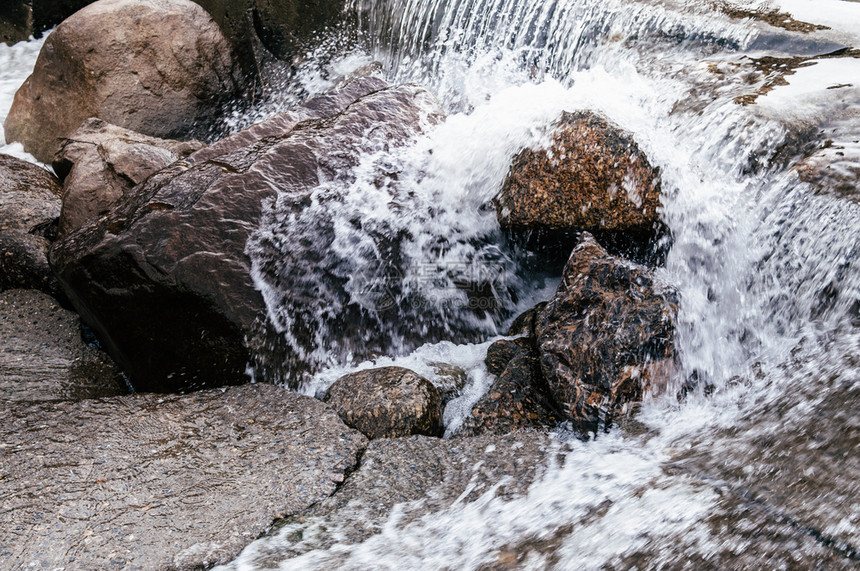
[(166, 278), (389, 402), (29, 206), (606, 335), (593, 177), (43, 356), (162, 482), (518, 399), (158, 67), (423, 475), (100, 163)]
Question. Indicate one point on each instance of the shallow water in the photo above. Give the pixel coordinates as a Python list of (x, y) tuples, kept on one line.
[(761, 470)]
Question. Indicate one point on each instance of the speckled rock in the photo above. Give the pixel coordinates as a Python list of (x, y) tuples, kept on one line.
[(524, 324), (158, 67), (419, 474), (518, 399), (43, 357), (100, 163), (387, 403), (593, 177), (606, 335), (29, 206), (162, 482)]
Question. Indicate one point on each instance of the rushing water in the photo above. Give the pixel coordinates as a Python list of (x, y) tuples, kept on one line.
[(759, 472)]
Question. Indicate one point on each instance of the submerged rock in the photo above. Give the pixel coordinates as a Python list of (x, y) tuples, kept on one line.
[(29, 206), (389, 402), (158, 67), (606, 335), (43, 356), (593, 177), (100, 163), (162, 482), (166, 281)]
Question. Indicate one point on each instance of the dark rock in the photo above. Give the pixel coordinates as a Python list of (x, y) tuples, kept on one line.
[(43, 357), (606, 335), (165, 279), (593, 178), (29, 206), (524, 324), (162, 482), (450, 380), (20, 19), (158, 67), (518, 399), (100, 163), (421, 475), (389, 402)]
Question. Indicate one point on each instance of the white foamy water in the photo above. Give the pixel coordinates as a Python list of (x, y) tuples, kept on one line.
[(16, 63)]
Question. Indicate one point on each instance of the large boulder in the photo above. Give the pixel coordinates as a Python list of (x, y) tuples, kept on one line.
[(100, 163), (606, 336), (171, 280), (43, 356), (158, 67), (162, 481), (29, 207), (389, 402), (592, 177)]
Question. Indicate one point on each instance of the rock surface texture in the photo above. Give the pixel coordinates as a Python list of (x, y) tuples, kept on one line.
[(166, 279), (43, 356), (593, 177), (29, 207), (387, 403), (606, 335), (162, 482), (158, 67), (100, 163)]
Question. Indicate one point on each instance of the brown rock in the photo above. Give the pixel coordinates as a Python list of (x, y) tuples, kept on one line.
[(43, 357), (502, 352), (100, 163), (158, 67), (593, 177), (29, 206), (605, 336), (524, 324), (387, 403), (160, 482)]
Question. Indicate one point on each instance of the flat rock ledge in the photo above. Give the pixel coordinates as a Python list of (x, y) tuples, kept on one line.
[(162, 482)]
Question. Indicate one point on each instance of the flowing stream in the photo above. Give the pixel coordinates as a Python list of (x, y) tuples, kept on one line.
[(758, 467)]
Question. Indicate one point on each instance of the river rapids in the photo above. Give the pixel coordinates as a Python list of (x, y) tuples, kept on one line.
[(752, 112)]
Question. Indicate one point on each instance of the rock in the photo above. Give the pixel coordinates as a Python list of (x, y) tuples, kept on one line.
[(524, 324), (162, 482), (20, 19), (165, 280), (518, 399), (389, 402), (606, 335), (158, 67), (43, 357), (285, 27), (450, 380), (593, 178), (420, 476), (100, 163), (29, 206)]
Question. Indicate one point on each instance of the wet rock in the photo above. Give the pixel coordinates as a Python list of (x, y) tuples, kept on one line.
[(162, 482), (389, 402), (593, 177), (43, 357), (606, 335), (421, 475), (524, 324), (20, 19), (158, 67), (166, 282), (100, 163), (518, 399), (450, 380), (29, 206)]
